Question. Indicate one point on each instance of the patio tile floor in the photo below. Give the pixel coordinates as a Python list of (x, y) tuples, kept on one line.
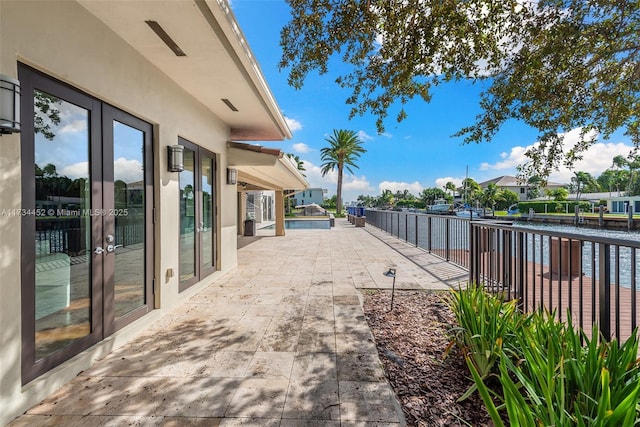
[(279, 341)]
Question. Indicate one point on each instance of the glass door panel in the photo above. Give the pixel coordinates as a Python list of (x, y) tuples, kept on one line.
[(207, 221), (128, 212), (63, 244), (187, 246)]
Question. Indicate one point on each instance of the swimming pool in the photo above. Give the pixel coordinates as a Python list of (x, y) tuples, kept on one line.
[(303, 224)]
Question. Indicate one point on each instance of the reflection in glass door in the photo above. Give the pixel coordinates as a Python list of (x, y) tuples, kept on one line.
[(62, 233), (207, 165), (187, 219), (126, 192), (197, 215)]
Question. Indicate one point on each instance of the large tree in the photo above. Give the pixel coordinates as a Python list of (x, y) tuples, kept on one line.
[(344, 149), (557, 65)]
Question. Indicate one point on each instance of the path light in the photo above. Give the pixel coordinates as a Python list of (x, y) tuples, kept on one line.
[(392, 273)]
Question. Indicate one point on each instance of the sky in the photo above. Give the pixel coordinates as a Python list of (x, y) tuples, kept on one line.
[(414, 154)]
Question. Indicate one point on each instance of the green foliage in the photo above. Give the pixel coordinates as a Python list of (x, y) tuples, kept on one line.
[(551, 373), (47, 114), (485, 325), (556, 65), (558, 194), (551, 206)]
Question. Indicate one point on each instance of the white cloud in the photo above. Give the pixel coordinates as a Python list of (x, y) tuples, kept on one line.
[(128, 170), (441, 182), (293, 124), (386, 134), (301, 147), (76, 170), (363, 136), (595, 160), (509, 160), (414, 188), (79, 125)]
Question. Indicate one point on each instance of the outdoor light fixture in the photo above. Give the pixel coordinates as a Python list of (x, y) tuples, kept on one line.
[(9, 105), (232, 176), (176, 158), (392, 273)]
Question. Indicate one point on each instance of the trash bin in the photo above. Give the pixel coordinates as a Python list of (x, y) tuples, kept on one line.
[(250, 227), (359, 211)]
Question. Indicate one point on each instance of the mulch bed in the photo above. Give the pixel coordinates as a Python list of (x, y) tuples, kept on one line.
[(411, 342)]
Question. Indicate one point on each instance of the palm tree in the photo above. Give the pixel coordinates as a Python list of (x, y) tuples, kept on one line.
[(618, 165), (344, 149), (450, 186), (583, 180), (299, 163)]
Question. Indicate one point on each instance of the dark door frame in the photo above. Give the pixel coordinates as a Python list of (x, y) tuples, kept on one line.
[(101, 314), (201, 273)]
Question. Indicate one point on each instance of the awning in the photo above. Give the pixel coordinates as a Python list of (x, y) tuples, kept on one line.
[(261, 168)]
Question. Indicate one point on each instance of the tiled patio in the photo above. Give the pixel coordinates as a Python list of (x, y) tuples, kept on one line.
[(279, 341)]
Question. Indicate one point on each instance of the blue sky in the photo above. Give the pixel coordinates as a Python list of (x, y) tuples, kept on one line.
[(415, 154)]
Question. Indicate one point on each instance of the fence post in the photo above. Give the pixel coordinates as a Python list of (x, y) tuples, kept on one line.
[(429, 233), (521, 262), (447, 244), (604, 289), (473, 255), (416, 230)]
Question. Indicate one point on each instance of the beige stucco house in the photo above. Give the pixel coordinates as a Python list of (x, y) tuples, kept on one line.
[(522, 189), (100, 233)]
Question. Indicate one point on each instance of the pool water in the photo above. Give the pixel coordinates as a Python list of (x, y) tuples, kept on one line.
[(303, 224)]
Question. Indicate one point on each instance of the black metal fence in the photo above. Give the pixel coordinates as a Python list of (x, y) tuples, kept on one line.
[(593, 279)]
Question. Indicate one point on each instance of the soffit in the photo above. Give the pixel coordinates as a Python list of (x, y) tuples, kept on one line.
[(264, 168), (218, 63)]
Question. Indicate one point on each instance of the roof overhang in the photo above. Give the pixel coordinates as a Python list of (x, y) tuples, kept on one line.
[(217, 65), (261, 168)]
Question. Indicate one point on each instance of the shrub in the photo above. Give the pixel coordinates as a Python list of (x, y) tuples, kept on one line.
[(551, 373)]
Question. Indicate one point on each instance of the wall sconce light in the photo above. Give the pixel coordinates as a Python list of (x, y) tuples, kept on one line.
[(392, 273), (9, 105), (232, 176), (176, 158)]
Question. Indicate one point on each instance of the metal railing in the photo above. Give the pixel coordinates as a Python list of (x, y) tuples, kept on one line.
[(443, 235), (592, 278)]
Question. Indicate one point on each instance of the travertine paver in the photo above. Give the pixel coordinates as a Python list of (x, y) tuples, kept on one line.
[(280, 341)]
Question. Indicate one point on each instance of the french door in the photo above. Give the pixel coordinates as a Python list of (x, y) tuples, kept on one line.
[(87, 231), (197, 215)]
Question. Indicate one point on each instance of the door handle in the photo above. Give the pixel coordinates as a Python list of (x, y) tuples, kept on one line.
[(112, 248), (98, 250)]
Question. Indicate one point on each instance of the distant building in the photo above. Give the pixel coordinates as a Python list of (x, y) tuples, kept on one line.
[(621, 204), (310, 196), (522, 189)]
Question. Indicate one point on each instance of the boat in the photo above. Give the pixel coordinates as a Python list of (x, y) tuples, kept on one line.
[(440, 206), (469, 212)]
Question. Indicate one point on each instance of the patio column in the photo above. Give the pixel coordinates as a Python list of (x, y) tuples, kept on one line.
[(279, 213), (242, 212)]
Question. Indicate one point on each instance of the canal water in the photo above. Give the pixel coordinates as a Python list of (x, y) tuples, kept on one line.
[(623, 258)]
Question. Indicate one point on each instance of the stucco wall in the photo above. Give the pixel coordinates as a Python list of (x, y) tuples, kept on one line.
[(65, 41)]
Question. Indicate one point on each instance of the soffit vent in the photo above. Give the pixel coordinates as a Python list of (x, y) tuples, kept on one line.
[(229, 104), (160, 32)]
